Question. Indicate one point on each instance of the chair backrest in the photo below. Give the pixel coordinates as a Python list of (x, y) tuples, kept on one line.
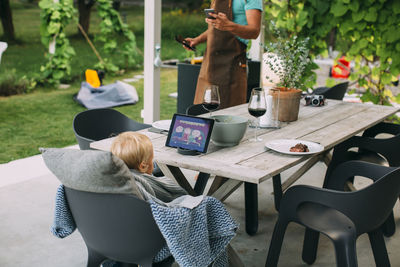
[(96, 124), (369, 207), (388, 146), (337, 92), (196, 110), (118, 226)]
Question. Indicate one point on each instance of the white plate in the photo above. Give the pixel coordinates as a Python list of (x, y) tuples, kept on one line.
[(162, 125), (284, 145)]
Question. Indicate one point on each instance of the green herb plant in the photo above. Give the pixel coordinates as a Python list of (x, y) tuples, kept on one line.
[(289, 59)]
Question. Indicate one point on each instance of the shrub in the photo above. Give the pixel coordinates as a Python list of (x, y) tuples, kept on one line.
[(10, 84)]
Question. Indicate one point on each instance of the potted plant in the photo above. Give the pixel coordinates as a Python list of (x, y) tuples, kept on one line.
[(288, 62)]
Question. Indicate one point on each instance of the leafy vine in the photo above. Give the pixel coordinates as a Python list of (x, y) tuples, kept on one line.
[(110, 27), (368, 29), (54, 17)]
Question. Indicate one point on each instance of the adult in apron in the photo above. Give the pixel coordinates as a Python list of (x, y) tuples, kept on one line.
[(224, 63)]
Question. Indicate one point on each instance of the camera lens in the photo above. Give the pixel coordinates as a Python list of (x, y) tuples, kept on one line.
[(315, 102)]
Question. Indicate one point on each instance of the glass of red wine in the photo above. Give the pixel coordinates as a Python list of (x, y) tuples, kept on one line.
[(211, 100), (257, 107)]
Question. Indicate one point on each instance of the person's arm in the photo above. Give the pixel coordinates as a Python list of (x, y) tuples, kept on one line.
[(197, 40), (250, 31)]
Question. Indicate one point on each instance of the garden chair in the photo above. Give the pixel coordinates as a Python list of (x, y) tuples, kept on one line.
[(127, 234), (97, 124), (341, 216), (336, 92), (195, 110), (382, 151)]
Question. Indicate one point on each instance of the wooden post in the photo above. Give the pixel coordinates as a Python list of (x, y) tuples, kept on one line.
[(152, 37), (257, 45)]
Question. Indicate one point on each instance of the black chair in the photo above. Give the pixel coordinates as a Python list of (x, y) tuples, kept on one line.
[(195, 110), (119, 227), (336, 92), (96, 124), (341, 216), (384, 151)]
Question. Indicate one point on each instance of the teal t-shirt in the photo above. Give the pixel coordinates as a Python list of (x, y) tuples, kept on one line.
[(239, 8)]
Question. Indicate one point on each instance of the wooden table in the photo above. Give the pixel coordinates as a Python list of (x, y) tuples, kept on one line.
[(251, 163)]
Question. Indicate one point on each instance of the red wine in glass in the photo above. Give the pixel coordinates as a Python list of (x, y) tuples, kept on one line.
[(213, 105), (257, 107), (257, 112)]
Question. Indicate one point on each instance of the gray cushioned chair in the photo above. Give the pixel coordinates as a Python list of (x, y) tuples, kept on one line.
[(119, 227), (107, 206)]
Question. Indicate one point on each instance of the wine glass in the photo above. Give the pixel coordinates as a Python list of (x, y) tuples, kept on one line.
[(211, 100), (257, 107)]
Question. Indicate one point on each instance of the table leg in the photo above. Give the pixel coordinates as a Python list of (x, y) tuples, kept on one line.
[(251, 207), (276, 181), (226, 189), (176, 173), (217, 183), (201, 183)]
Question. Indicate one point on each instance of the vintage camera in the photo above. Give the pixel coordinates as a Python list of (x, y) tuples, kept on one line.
[(315, 100)]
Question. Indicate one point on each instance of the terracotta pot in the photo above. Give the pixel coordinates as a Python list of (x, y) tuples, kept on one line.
[(289, 104)]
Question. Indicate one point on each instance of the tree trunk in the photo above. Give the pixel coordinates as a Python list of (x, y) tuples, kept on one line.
[(332, 38), (84, 8), (6, 19), (116, 4)]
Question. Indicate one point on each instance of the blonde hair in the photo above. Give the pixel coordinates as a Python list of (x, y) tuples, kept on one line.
[(133, 148)]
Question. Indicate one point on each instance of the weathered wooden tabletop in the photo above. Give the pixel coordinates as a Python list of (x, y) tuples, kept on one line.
[(251, 161)]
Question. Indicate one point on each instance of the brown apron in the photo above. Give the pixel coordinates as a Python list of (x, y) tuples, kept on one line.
[(224, 63)]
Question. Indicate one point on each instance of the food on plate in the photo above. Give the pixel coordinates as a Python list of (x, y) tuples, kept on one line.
[(299, 147)]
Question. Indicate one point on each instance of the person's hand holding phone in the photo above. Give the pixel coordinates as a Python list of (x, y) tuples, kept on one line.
[(210, 13), (217, 20), (187, 43)]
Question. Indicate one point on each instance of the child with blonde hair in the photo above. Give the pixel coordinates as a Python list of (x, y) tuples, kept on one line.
[(136, 150)]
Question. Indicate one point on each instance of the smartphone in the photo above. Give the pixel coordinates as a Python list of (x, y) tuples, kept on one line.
[(181, 40), (208, 11)]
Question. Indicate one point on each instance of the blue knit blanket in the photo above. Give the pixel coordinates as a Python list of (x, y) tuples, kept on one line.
[(195, 237)]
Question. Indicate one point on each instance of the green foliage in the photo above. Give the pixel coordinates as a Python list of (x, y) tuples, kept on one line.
[(369, 28), (172, 24), (111, 26), (11, 84), (292, 63), (55, 16)]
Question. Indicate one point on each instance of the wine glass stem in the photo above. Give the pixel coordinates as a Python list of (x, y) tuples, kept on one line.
[(255, 131)]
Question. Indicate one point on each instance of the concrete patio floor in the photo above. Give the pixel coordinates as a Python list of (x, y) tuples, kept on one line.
[(27, 193)]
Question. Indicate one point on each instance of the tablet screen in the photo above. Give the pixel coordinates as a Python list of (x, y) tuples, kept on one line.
[(188, 132)]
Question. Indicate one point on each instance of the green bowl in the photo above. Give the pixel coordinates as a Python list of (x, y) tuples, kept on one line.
[(228, 130)]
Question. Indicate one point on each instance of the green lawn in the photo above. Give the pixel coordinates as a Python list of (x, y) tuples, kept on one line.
[(44, 117)]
